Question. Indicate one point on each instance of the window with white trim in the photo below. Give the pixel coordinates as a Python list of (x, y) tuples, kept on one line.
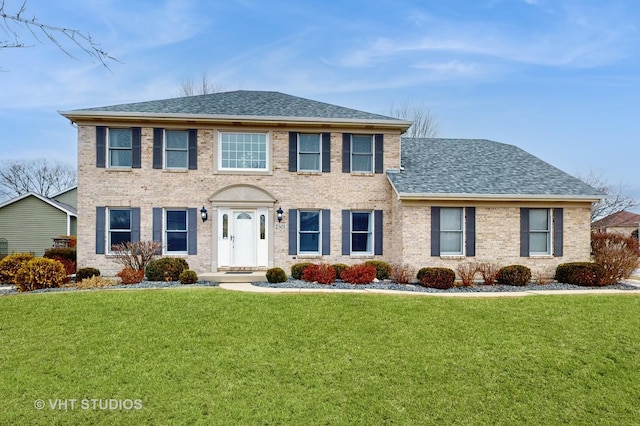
[(309, 148), (120, 143), (539, 232), (118, 227), (362, 232), (309, 235), (176, 230), (243, 151), (362, 153), (176, 149), (451, 231)]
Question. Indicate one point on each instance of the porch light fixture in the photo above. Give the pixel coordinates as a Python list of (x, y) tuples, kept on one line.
[(279, 211), (203, 214)]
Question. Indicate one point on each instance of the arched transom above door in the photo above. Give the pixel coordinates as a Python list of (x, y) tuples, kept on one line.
[(242, 194)]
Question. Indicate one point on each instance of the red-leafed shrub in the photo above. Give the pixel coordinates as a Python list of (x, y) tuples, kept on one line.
[(69, 267), (580, 273), (130, 276), (517, 275), (359, 274), (322, 273), (442, 278), (618, 255), (489, 272), (402, 273), (467, 271)]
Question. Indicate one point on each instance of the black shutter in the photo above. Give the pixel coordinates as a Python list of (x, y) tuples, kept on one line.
[(193, 149), (346, 153), (157, 226), (326, 152), (524, 232), (100, 229), (293, 151), (135, 224), (157, 147), (558, 225), (470, 225), (192, 230), (101, 146), (346, 232), (326, 231), (377, 232), (379, 152), (293, 231), (435, 231), (136, 147)]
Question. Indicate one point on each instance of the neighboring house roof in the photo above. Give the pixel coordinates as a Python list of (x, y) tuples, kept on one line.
[(621, 218), (57, 204), (240, 104), (480, 168)]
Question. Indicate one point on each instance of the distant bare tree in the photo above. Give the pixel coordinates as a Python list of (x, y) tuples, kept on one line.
[(424, 124), (39, 176), (190, 87), (615, 199), (13, 24)]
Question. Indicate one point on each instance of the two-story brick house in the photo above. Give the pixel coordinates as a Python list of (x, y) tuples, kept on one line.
[(252, 180)]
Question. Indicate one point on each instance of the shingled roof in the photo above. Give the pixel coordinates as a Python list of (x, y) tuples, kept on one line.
[(480, 168), (619, 219), (241, 104)]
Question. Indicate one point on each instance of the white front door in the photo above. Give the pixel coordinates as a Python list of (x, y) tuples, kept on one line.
[(243, 239)]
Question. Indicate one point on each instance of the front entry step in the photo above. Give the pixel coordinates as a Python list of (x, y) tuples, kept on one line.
[(233, 276)]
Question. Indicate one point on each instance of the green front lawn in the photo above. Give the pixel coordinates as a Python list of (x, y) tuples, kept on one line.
[(209, 356)]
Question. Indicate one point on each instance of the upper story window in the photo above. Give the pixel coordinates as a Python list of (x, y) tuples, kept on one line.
[(119, 227), (539, 232), (120, 142), (243, 151), (362, 153), (309, 148), (176, 149), (451, 231)]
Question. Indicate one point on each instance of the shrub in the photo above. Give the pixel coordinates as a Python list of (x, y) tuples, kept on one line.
[(580, 273), (401, 273), (136, 255), (618, 255), (517, 275), (130, 276), (69, 266), (40, 273), (359, 274), (60, 253), (166, 269), (489, 272), (339, 267), (94, 281), (188, 277), (467, 271), (298, 268), (276, 275), (383, 269), (84, 273), (11, 264), (322, 273), (442, 278)]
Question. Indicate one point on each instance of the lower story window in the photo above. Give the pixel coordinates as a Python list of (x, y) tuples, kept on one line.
[(539, 232), (309, 232), (361, 232), (176, 231), (119, 231), (451, 231)]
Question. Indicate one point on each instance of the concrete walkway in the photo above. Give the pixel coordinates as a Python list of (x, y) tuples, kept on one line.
[(248, 287)]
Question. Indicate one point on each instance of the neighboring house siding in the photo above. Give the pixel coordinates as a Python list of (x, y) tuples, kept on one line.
[(69, 197), (29, 225), (149, 188)]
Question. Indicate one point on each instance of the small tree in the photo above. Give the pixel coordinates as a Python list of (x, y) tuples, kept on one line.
[(190, 87), (618, 254), (136, 255), (40, 176), (615, 196), (424, 124)]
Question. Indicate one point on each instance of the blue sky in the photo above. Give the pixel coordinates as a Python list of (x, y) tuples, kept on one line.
[(558, 78)]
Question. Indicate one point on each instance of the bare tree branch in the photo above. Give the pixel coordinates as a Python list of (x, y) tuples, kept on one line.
[(39, 176), (615, 199), (189, 87), (10, 24), (424, 124)]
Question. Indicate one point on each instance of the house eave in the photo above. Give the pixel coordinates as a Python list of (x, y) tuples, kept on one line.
[(87, 116), (496, 197)]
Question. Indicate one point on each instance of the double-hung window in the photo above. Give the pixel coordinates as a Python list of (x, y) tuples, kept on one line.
[(362, 153), (539, 232), (243, 151), (309, 236), (120, 148), (119, 226), (309, 148), (451, 231), (361, 232), (176, 149), (176, 231)]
